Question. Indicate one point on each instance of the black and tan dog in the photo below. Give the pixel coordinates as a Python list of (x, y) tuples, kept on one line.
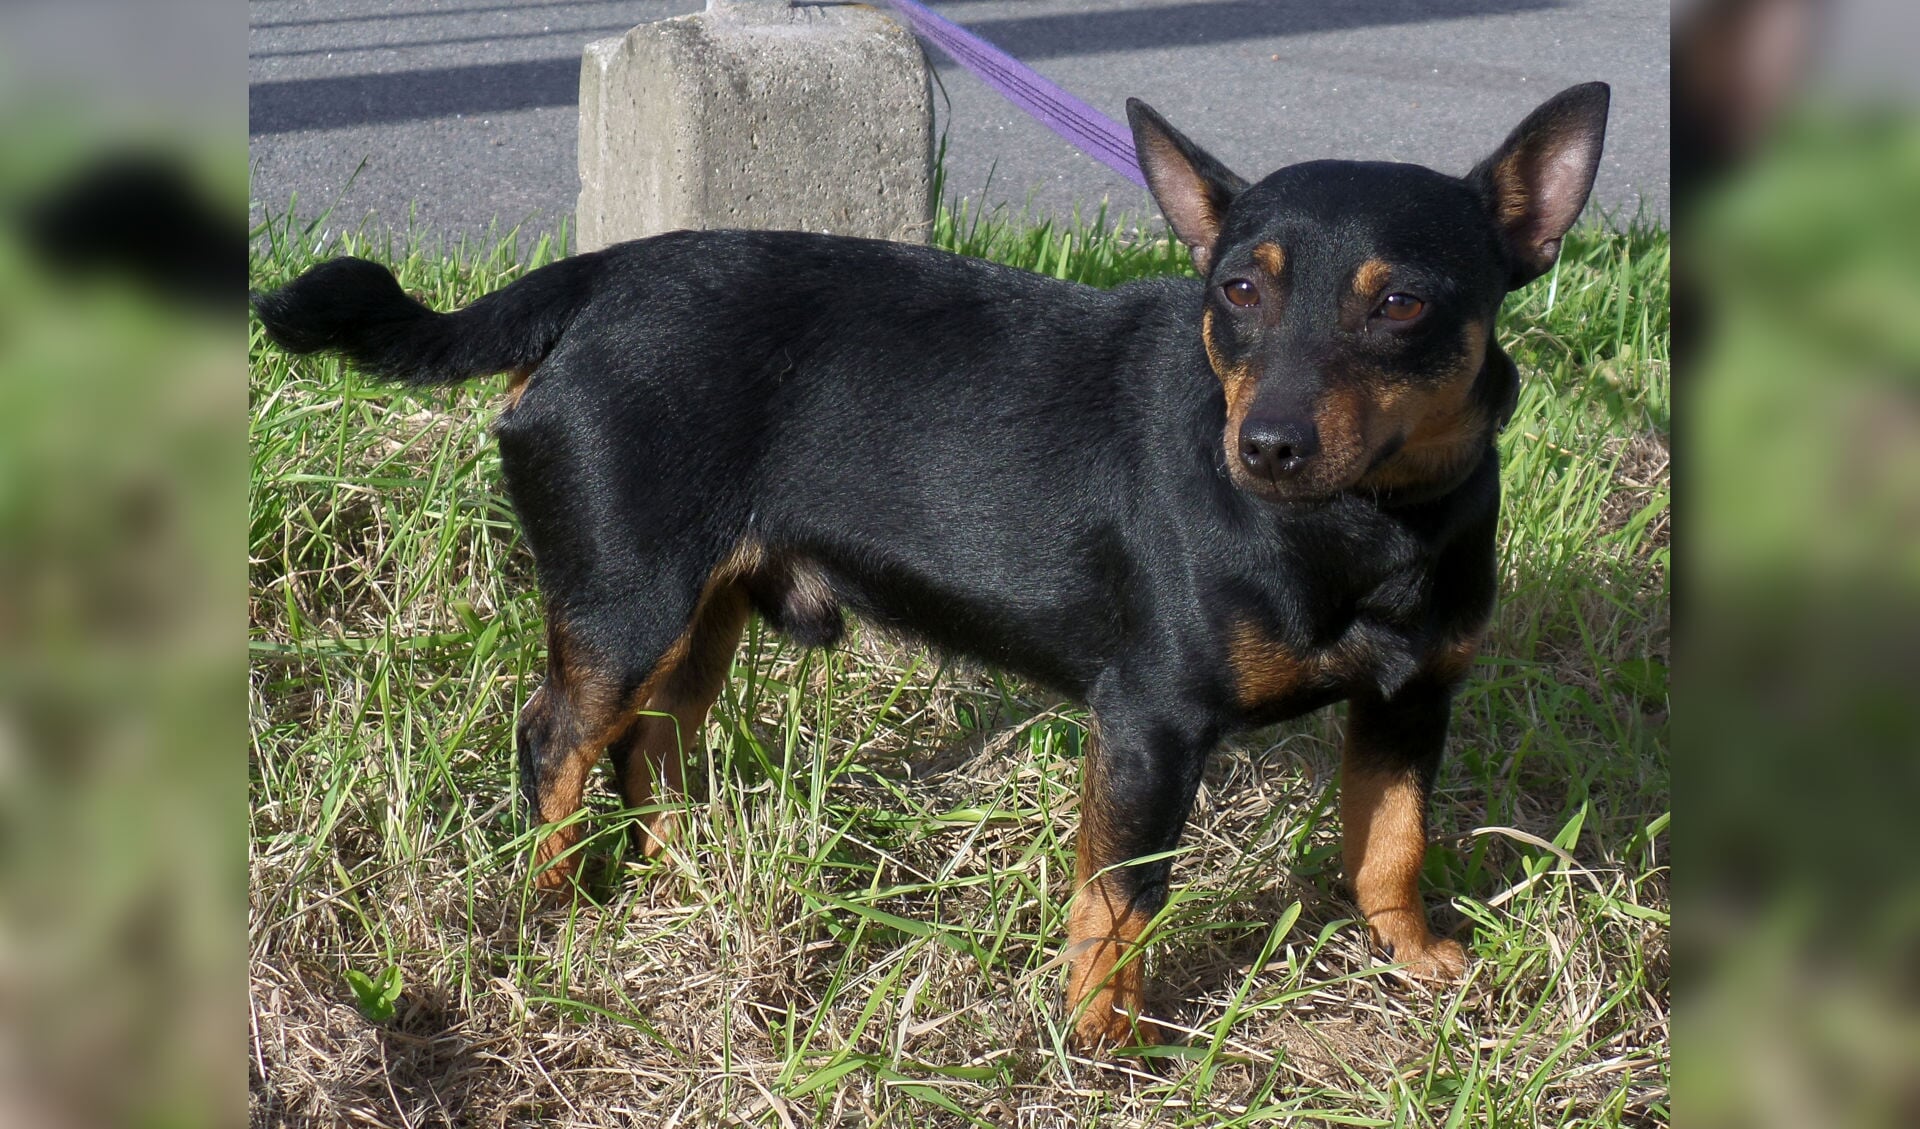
[(1195, 506)]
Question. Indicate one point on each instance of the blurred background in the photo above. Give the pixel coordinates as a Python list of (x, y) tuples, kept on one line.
[(123, 204), (123, 193), (1797, 291)]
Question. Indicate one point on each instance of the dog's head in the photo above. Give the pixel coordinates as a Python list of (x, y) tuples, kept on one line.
[(1350, 305)]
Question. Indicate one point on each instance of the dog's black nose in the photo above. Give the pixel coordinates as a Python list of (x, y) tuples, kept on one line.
[(1277, 448)]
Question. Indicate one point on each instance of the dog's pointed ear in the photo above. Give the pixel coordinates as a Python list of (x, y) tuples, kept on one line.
[(1537, 182), (1192, 189)]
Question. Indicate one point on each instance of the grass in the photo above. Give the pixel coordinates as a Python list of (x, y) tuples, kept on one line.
[(863, 924)]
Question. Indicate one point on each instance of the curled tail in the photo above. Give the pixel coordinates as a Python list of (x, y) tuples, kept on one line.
[(356, 308)]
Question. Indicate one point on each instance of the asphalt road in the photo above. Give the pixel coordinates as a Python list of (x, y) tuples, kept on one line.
[(445, 117)]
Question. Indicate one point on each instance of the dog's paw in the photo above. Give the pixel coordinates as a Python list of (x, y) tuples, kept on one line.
[(655, 834), (1404, 939), (1441, 960), (555, 879), (553, 868), (1103, 1029)]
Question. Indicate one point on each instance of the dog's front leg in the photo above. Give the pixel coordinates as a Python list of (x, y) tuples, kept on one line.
[(1137, 788), (1392, 752)]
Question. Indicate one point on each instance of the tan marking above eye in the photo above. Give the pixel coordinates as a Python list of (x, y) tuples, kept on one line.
[(1242, 293), (1371, 278), (1271, 258), (1401, 307)]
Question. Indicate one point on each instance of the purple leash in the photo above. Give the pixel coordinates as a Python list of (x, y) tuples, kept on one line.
[(1089, 130)]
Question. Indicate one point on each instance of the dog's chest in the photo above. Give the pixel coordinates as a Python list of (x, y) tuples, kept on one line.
[(1275, 673), (1305, 636)]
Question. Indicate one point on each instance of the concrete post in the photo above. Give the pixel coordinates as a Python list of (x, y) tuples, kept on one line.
[(760, 114)]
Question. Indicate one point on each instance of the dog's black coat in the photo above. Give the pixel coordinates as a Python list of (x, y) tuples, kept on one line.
[(1020, 470)]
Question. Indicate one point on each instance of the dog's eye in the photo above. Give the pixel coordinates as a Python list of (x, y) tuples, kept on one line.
[(1241, 292), (1401, 307)]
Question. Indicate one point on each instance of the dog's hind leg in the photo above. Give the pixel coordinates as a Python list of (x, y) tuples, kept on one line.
[(585, 703), (603, 668), (652, 755)]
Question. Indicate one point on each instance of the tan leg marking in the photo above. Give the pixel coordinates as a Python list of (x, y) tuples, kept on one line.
[(1103, 929), (588, 712), (1385, 843), (592, 714), (659, 748)]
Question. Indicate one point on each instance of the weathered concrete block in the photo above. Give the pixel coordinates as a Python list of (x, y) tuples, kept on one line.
[(757, 114)]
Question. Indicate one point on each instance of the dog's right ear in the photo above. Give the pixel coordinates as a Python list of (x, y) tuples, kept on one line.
[(1192, 189)]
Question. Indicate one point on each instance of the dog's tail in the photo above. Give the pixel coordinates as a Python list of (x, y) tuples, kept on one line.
[(356, 308)]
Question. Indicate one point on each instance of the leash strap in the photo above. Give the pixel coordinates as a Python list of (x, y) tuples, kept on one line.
[(1087, 129)]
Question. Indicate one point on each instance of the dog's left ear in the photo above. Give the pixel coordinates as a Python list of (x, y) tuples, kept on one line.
[(1538, 181), (1192, 189)]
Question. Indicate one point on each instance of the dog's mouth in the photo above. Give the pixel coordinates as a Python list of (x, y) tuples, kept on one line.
[(1298, 490), (1323, 477)]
